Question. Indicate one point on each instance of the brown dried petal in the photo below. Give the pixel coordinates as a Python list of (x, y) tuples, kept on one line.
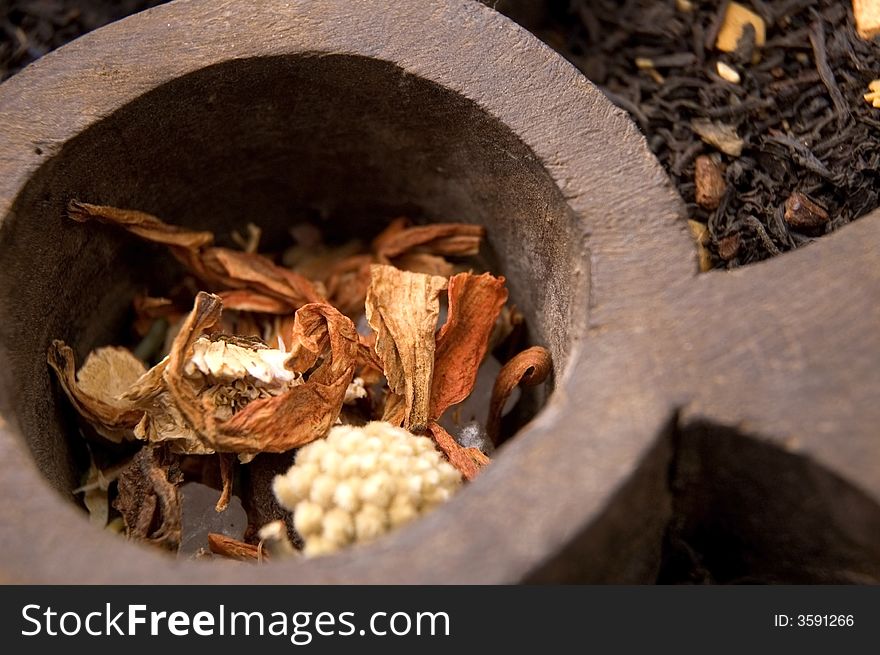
[(205, 314), (451, 239), (529, 368), (395, 409), (149, 498), (347, 284), (402, 308), (220, 544), (164, 422), (243, 270), (421, 262), (180, 408), (141, 224), (97, 390), (307, 411), (474, 304), (227, 474), (243, 300), (469, 461), (221, 267)]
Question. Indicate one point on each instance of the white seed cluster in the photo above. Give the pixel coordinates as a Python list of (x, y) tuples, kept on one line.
[(361, 482)]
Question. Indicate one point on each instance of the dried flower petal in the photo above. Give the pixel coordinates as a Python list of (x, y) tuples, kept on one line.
[(469, 461), (95, 493), (402, 308), (306, 412), (141, 224), (227, 473), (96, 390), (529, 368), (221, 267), (445, 239), (243, 300), (149, 498), (242, 270), (229, 394), (348, 282), (474, 304), (422, 262), (225, 546)]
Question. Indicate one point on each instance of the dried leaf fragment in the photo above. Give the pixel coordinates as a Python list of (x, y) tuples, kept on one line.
[(719, 135), (402, 308), (529, 368), (475, 302), (468, 461), (97, 389), (141, 224), (709, 181), (307, 411), (700, 233), (736, 18), (225, 546), (873, 95), (149, 498), (803, 212), (445, 239), (867, 15), (221, 267)]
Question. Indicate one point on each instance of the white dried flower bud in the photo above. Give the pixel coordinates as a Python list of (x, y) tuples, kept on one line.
[(354, 391), (225, 361), (360, 482)]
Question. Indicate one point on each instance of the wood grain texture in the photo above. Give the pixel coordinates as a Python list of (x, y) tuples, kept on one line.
[(468, 117)]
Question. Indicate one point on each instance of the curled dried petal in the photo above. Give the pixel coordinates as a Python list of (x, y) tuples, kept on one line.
[(140, 224), (422, 262), (243, 270), (529, 368), (149, 497), (97, 389), (306, 412)]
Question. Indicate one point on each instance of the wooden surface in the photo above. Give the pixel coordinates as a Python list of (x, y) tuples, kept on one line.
[(702, 406)]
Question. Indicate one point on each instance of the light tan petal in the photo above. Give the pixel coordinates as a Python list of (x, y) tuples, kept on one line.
[(402, 308)]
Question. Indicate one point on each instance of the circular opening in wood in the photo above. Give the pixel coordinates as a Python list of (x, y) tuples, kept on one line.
[(340, 143)]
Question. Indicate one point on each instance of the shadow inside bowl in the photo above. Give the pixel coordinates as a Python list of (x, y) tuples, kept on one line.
[(347, 142)]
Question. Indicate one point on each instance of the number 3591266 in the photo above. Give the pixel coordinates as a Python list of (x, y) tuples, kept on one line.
[(814, 620)]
